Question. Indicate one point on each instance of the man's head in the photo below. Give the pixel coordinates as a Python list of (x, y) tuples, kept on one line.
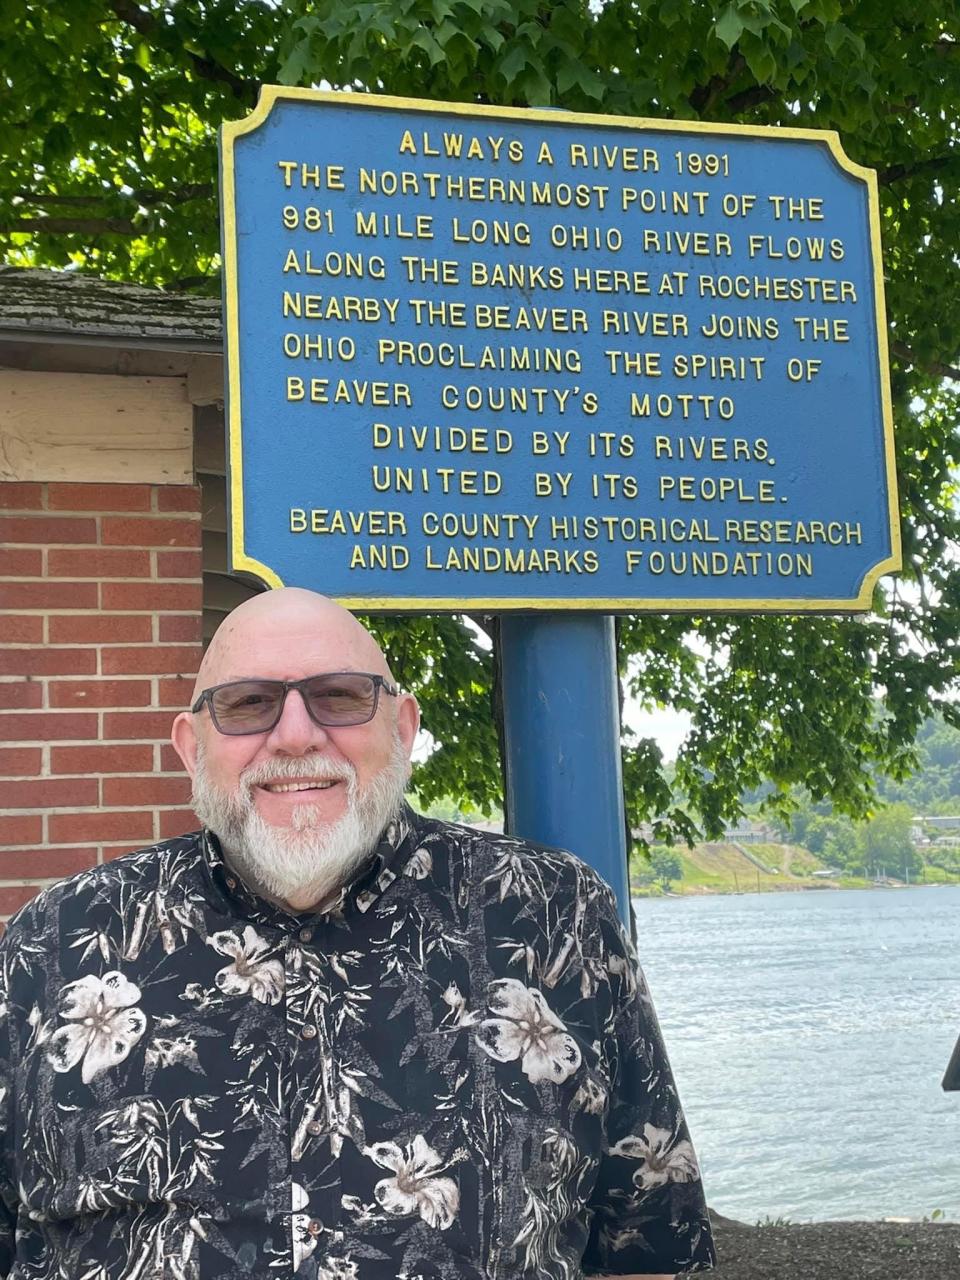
[(299, 806)]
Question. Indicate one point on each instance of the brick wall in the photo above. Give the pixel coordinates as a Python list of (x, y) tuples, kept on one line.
[(100, 627)]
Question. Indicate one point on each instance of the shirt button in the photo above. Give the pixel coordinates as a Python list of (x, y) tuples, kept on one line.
[(314, 1128), (231, 883), (314, 1226), (305, 935), (308, 1032)]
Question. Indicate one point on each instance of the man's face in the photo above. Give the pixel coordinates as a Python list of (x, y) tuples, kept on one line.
[(300, 804), (317, 763)]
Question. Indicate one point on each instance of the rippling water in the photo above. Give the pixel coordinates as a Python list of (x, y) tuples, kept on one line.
[(809, 1033)]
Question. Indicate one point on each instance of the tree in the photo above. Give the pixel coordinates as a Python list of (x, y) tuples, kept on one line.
[(885, 844), (107, 125), (667, 867)]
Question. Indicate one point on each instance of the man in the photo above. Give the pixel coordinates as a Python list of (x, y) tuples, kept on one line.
[(326, 1037)]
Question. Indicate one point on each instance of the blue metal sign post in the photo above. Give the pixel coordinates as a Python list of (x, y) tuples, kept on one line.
[(529, 362), (562, 728)]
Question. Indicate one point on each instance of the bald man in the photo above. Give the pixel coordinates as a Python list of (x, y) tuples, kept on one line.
[(324, 1036)]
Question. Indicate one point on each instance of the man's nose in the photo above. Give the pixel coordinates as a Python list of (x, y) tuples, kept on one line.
[(295, 732)]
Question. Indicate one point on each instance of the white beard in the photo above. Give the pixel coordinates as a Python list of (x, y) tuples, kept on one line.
[(308, 861)]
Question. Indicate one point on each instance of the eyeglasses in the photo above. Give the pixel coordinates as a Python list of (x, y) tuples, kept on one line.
[(338, 698)]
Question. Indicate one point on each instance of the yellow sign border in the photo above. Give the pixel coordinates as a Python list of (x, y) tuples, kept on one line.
[(270, 95)]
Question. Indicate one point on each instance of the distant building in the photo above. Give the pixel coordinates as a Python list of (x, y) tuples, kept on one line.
[(746, 831), (942, 829), (749, 831)]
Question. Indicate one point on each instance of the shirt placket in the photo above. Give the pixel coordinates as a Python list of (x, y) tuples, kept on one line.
[(311, 1037)]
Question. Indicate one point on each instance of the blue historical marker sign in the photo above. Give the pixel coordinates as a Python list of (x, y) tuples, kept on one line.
[(512, 360)]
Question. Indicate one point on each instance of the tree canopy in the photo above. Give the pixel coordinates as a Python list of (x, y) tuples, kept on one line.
[(108, 122)]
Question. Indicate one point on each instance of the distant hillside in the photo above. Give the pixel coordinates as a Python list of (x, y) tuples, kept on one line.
[(734, 868), (760, 868)]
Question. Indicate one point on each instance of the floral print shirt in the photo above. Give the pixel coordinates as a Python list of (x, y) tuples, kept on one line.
[(455, 1072)]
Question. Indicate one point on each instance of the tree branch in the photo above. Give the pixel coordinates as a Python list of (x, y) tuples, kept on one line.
[(146, 195), (147, 25), (936, 367), (73, 226), (705, 95), (49, 197), (754, 97), (896, 172)]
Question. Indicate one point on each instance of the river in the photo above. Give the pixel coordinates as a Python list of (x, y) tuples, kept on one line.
[(808, 1033)]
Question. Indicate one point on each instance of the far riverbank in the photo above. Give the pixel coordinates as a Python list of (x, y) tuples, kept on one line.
[(732, 868)]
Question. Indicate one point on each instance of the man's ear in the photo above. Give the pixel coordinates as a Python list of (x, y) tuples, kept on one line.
[(408, 721), (184, 739)]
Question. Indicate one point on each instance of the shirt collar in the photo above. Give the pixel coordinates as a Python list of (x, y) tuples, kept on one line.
[(397, 842)]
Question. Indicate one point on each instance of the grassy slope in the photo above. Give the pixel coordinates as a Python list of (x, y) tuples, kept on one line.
[(723, 868)]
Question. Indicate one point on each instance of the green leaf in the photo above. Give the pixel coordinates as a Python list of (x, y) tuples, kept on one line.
[(292, 69), (729, 27), (513, 62), (761, 61), (424, 40)]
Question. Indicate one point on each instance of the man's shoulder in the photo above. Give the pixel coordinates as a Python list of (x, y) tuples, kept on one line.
[(496, 851), (141, 869)]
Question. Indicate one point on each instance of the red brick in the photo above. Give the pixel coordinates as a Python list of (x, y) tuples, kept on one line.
[(178, 596), (129, 531), (175, 693), (49, 595), (177, 822), (98, 497), (20, 628), (99, 693), (186, 627), (19, 695), (48, 662), (13, 897), (95, 758), (21, 495), (45, 863), (21, 562), (170, 762), (100, 826), (98, 562), (20, 762), (49, 793), (111, 851), (53, 726), (148, 659), (137, 724), (179, 497), (21, 829), (179, 564), (100, 628), (44, 529), (150, 791)]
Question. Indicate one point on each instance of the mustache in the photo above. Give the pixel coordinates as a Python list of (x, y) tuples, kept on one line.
[(280, 770)]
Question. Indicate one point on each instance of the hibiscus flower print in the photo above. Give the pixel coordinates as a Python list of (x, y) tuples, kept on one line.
[(103, 1024), (304, 1240), (662, 1158), (414, 1188), (337, 1269), (525, 1027), (251, 973)]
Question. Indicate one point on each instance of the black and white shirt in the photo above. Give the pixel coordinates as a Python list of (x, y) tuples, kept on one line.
[(454, 1074)]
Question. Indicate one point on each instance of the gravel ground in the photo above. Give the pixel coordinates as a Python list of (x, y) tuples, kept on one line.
[(839, 1251)]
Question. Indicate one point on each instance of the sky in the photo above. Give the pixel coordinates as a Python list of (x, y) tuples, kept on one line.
[(669, 728)]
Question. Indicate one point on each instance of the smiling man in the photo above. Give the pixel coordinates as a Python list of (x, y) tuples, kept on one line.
[(324, 1036)]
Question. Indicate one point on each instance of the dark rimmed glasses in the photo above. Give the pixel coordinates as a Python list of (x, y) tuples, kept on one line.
[(335, 699)]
